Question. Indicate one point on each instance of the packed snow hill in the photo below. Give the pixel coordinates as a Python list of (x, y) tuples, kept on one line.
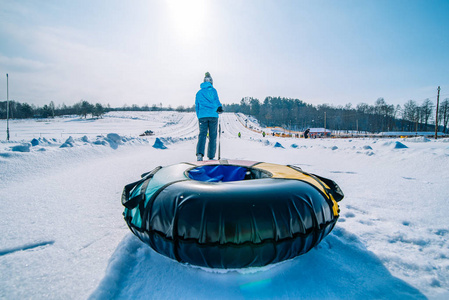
[(64, 237)]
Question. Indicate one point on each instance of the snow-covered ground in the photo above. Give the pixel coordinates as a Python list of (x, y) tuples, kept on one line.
[(64, 237)]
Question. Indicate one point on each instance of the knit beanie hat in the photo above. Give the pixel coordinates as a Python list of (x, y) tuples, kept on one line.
[(208, 78)]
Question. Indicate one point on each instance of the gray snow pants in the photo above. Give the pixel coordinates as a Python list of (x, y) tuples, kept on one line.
[(207, 125)]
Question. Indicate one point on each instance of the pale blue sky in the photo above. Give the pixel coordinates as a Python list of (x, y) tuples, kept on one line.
[(147, 52)]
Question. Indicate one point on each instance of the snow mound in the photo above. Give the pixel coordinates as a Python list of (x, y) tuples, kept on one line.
[(278, 145), (114, 137), (21, 148), (34, 142), (158, 144), (395, 145), (43, 141), (114, 140), (41, 144), (399, 145), (69, 143)]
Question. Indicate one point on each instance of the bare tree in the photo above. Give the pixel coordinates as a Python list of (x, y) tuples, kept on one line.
[(51, 106), (443, 114), (385, 114), (426, 112), (411, 113)]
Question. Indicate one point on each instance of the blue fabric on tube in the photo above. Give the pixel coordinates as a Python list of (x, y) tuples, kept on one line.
[(218, 173)]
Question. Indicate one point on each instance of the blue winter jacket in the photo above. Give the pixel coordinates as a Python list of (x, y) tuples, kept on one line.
[(206, 101)]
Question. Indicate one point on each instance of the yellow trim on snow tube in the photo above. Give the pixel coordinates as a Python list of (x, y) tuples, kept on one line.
[(281, 171)]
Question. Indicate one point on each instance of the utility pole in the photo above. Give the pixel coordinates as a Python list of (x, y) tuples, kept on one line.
[(324, 124), (436, 117), (7, 108)]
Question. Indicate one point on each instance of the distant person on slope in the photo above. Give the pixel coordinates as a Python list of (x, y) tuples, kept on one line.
[(306, 133), (207, 106)]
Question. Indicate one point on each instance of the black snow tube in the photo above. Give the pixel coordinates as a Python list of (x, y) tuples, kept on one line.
[(231, 214)]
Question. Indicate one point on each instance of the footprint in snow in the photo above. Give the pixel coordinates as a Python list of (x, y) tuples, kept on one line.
[(349, 215), (356, 209), (25, 247), (442, 232), (343, 172)]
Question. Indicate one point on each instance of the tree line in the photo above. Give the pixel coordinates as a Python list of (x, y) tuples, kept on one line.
[(289, 113), (19, 110), (295, 114), (83, 109)]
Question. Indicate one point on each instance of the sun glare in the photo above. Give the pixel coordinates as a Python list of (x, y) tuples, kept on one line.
[(187, 17)]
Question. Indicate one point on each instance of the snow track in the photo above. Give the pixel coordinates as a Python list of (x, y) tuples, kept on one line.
[(232, 124)]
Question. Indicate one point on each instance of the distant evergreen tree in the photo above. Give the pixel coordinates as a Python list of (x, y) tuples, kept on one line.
[(85, 108), (98, 110), (46, 112)]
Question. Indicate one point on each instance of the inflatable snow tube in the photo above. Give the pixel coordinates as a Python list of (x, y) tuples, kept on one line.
[(231, 214)]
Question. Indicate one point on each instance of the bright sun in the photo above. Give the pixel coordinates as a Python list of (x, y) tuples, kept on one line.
[(187, 17)]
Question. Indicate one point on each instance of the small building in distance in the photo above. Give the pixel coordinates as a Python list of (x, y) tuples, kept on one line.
[(319, 133)]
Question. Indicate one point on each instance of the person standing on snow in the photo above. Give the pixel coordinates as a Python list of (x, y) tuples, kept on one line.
[(207, 107), (306, 133)]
